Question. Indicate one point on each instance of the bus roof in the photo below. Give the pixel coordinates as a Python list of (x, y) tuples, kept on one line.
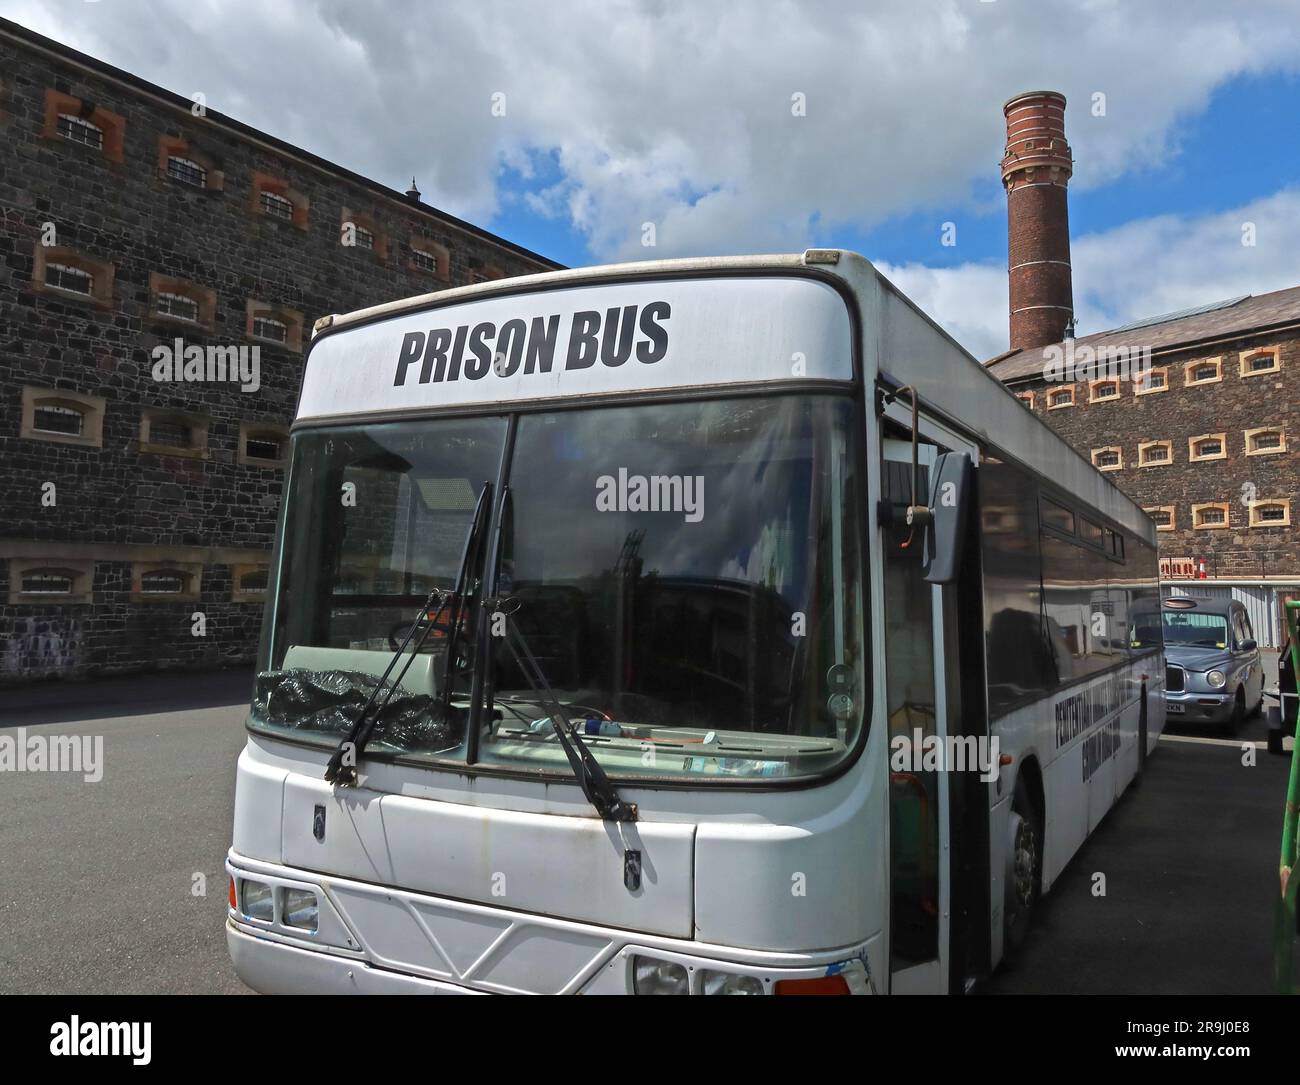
[(900, 342)]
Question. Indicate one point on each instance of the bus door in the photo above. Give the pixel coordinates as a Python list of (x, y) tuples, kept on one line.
[(920, 641)]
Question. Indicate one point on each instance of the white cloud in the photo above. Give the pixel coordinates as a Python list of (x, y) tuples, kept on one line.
[(680, 113), (1141, 269)]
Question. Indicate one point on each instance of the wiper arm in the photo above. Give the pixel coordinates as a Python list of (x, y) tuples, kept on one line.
[(342, 767), (596, 786)]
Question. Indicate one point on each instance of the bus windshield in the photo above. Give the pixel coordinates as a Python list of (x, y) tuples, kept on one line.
[(688, 577)]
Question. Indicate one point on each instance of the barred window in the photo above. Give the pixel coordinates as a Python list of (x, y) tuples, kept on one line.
[(47, 582), (1107, 389), (70, 278), (364, 239), (1264, 441), (1154, 452), (1061, 397), (263, 446), (424, 261), (265, 327), (1208, 446), (177, 305), (1162, 516), (1271, 512), (163, 582), (1209, 516), (187, 171), (276, 205), (253, 581), (80, 130), (55, 419)]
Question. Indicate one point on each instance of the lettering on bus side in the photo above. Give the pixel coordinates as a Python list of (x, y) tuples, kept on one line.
[(1080, 711), (473, 351)]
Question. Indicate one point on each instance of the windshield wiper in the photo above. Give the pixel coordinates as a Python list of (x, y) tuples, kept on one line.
[(342, 767), (596, 786)]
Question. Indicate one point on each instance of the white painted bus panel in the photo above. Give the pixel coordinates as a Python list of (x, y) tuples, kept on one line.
[(713, 331)]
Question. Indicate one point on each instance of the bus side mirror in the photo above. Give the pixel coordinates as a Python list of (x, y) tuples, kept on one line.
[(945, 534)]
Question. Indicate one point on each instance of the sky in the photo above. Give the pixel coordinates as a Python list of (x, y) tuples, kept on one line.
[(747, 126)]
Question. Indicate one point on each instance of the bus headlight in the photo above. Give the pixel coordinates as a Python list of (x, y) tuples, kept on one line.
[(651, 977), (729, 983), (259, 901), (1216, 679), (299, 908)]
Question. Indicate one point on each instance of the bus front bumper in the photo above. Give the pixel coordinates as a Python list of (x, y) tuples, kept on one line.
[(372, 939), (278, 969)]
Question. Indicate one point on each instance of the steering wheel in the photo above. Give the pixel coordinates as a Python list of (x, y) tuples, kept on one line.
[(397, 633)]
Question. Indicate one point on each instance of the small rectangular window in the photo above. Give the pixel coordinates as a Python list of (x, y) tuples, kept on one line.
[(187, 171), (47, 582), (74, 279), (265, 327), (364, 238), (424, 261), (277, 206), (163, 582), (1092, 533), (80, 130), (178, 306), (54, 419), (262, 446)]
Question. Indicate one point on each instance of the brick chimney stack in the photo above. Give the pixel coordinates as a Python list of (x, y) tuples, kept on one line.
[(1036, 169)]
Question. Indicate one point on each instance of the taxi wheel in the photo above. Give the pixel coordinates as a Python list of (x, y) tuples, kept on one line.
[(1238, 714)]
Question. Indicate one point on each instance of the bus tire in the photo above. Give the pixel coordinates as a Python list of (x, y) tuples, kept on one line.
[(1024, 873)]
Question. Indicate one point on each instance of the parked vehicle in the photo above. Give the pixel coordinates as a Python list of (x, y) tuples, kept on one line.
[(1213, 673)]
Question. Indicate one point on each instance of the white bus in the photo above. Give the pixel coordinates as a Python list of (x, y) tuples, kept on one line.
[(615, 644)]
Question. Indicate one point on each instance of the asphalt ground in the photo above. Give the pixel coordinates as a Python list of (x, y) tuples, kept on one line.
[(1190, 859), (99, 894)]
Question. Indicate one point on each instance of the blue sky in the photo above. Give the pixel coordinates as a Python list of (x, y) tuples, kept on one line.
[(626, 112)]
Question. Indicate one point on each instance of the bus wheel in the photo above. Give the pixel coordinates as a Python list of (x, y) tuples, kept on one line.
[(1024, 870)]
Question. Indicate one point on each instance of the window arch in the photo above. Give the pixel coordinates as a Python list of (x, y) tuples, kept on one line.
[(1060, 397), (430, 258), (1271, 512), (1155, 453), (360, 230), (63, 416), (273, 198), (1265, 441), (1110, 458), (1260, 361), (181, 162), (165, 581), (73, 120), (1208, 446), (44, 581), (173, 300), (1203, 371)]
